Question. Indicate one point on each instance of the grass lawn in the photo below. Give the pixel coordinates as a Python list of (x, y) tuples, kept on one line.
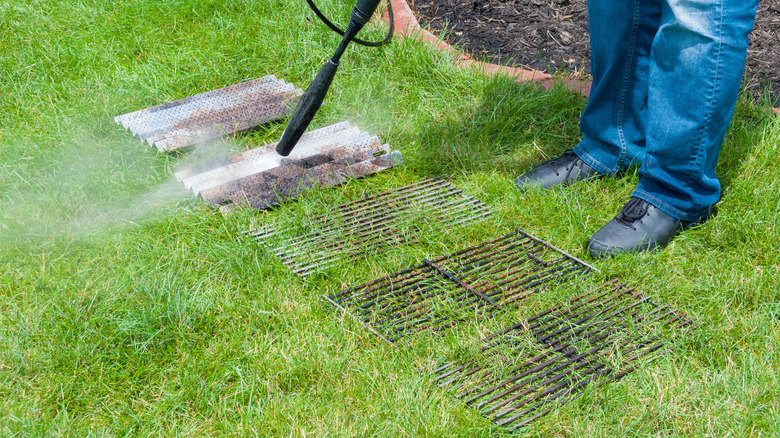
[(129, 308)]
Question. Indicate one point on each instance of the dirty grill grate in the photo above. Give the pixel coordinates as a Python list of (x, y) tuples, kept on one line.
[(213, 114), (523, 372), (373, 222), (438, 294), (260, 178)]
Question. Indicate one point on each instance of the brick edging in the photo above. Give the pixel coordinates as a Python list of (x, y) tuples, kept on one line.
[(406, 24)]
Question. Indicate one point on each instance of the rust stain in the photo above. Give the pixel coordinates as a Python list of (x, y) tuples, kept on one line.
[(214, 114)]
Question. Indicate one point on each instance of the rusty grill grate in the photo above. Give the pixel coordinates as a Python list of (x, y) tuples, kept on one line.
[(260, 178), (523, 372), (438, 294), (213, 114), (374, 222)]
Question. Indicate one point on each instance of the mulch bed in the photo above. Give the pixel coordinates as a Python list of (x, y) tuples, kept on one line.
[(552, 36)]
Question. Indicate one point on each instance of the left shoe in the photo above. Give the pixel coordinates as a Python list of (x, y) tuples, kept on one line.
[(560, 171), (639, 227)]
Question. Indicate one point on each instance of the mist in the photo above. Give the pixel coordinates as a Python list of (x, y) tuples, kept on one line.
[(90, 186)]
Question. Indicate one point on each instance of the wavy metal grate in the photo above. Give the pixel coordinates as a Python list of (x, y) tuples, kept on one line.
[(214, 114), (474, 282), (525, 371), (371, 223), (261, 178)]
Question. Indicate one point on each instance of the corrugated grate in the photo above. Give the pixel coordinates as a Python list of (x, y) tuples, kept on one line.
[(260, 178), (525, 371), (478, 281), (214, 114), (371, 223)]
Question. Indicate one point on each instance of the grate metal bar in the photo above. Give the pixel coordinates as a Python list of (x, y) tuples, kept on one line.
[(490, 348), (597, 331), (474, 282), (364, 222), (456, 280), (372, 223), (213, 114), (452, 210), (325, 258), (377, 238), (370, 207), (528, 369), (361, 243), (371, 242), (377, 217), (380, 227)]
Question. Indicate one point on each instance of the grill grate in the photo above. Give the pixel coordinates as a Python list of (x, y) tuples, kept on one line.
[(260, 178), (371, 223), (523, 372), (438, 294), (213, 114)]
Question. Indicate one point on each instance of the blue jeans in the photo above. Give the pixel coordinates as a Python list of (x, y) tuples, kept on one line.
[(666, 74)]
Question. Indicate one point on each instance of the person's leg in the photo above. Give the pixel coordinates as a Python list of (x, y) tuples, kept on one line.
[(698, 57), (613, 123), (613, 127)]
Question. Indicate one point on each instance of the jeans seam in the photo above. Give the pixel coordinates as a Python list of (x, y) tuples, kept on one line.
[(624, 88), (700, 146)]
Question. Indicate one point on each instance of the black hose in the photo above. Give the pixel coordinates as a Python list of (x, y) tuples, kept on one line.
[(336, 29)]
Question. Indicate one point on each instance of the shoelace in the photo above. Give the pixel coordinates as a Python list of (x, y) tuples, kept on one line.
[(565, 156), (634, 210)]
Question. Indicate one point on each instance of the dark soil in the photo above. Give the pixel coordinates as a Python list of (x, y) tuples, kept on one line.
[(552, 35)]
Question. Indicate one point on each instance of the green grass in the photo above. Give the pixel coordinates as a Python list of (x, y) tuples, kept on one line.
[(128, 308)]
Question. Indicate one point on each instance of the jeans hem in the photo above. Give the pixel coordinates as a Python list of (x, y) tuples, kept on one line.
[(592, 162), (668, 209)]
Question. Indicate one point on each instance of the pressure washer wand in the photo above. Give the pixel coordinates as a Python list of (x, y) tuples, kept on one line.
[(312, 99)]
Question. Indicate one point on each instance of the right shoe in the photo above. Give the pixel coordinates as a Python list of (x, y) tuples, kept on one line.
[(639, 227), (561, 171)]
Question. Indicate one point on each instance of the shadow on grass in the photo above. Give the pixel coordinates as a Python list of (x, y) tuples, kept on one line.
[(747, 127), (515, 126), (512, 128)]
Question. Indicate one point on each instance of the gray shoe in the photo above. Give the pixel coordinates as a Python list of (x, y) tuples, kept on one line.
[(637, 228), (561, 171)]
